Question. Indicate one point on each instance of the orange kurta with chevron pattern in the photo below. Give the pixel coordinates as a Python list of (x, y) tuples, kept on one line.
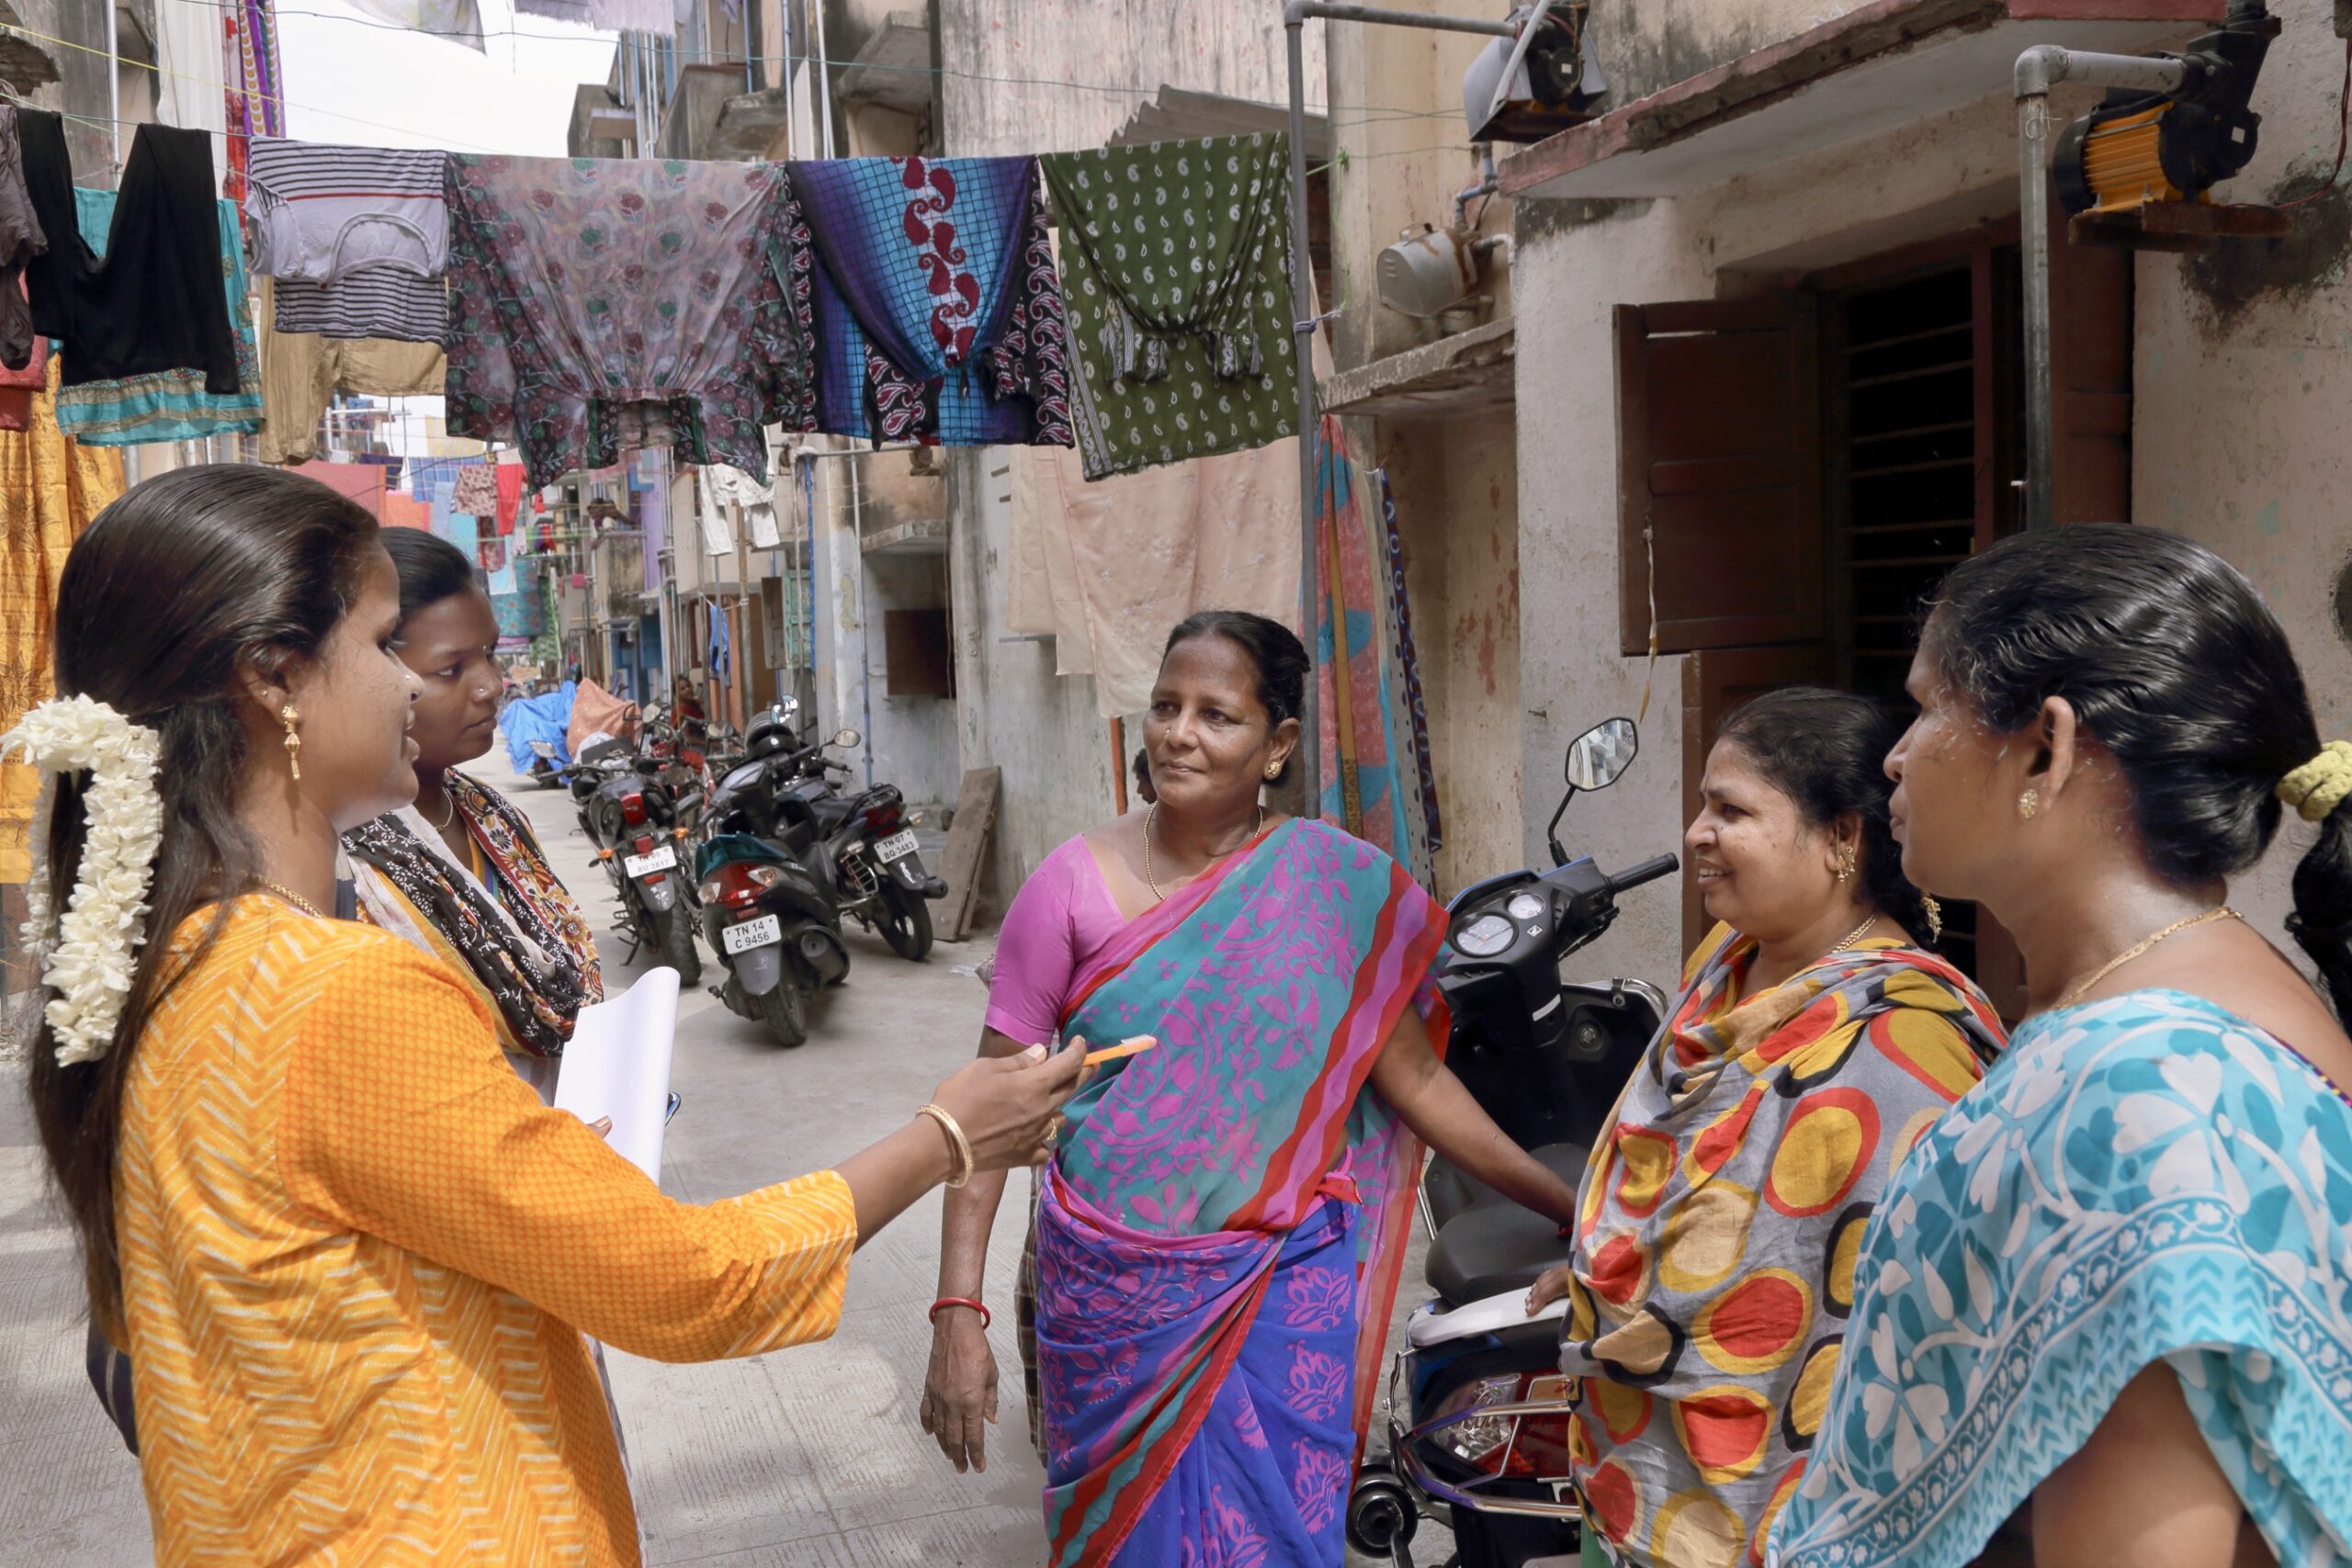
[(359, 1257)]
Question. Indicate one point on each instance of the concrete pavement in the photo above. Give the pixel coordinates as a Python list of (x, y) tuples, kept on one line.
[(809, 1458)]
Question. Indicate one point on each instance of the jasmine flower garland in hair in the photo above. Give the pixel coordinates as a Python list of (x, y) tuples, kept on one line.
[(88, 964)]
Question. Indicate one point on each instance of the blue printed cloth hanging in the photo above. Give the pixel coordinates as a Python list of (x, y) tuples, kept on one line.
[(935, 306)]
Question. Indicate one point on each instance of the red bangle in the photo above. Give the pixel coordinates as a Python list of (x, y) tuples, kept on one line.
[(986, 1318)]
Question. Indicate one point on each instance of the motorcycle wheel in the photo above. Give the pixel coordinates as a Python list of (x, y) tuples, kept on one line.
[(678, 950), (906, 924), (786, 1012), (1380, 1514)]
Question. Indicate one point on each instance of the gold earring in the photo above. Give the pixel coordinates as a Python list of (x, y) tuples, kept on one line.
[(2029, 805), (290, 717), (1845, 863), (1935, 913)]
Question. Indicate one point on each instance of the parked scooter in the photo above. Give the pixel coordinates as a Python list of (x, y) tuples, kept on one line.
[(768, 897), (869, 850), (630, 816), (1478, 1414)]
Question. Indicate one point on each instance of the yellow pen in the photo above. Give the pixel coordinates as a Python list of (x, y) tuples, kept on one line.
[(1130, 1047)]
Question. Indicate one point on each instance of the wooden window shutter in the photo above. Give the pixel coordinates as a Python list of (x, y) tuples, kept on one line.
[(1719, 465), (2090, 366)]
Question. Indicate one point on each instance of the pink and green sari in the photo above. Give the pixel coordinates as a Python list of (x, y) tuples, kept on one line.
[(1219, 1235)]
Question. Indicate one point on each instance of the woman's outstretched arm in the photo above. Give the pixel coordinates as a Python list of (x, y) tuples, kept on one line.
[(1433, 1103)]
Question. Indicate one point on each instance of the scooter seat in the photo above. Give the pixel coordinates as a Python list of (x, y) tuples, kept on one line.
[(1492, 1250)]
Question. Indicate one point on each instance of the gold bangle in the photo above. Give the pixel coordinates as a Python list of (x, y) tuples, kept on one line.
[(960, 1146)]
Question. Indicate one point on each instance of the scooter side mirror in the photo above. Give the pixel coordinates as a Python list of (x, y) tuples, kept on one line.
[(1600, 757), (847, 739)]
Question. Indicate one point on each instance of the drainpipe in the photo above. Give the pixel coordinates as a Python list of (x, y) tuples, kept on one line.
[(2038, 69), (1296, 14)]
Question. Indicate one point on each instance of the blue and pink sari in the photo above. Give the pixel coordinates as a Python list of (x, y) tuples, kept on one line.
[(1219, 1237)]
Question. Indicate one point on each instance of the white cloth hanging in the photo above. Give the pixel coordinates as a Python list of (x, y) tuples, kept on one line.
[(1108, 569), (458, 21), (188, 74)]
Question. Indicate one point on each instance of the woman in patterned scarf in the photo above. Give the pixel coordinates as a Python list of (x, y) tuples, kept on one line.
[(1814, 1043), (458, 873)]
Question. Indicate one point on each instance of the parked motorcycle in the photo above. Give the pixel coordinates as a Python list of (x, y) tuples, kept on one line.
[(869, 845), (1478, 1413), (770, 908), (632, 818)]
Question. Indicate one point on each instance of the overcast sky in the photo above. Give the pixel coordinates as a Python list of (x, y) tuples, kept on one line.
[(352, 79)]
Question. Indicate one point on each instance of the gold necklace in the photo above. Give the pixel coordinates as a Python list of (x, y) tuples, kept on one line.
[(1151, 820), (294, 898), (1853, 936), (2128, 953)]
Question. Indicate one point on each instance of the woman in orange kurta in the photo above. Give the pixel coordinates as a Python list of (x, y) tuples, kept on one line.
[(352, 1254)]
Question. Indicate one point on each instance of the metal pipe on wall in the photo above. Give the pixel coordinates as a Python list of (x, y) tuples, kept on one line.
[(1296, 14), (2038, 69)]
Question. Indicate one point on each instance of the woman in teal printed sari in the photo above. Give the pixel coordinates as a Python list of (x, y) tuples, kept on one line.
[(2115, 1281), (1217, 1239)]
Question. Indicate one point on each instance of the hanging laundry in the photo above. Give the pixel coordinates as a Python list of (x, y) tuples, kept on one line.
[(1370, 786), (252, 90), (659, 17), (1108, 569), (598, 305), (1408, 660), (21, 238), (938, 313), (17, 387), (1177, 258), (404, 511), (51, 487), (726, 491), (358, 238), (189, 35), (510, 495), (168, 405), (476, 491), (458, 21), (146, 296), (300, 374), (717, 528), (491, 553)]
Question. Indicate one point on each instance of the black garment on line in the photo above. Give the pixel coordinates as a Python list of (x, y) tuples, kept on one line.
[(156, 301)]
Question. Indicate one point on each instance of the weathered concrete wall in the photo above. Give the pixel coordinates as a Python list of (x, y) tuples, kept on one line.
[(1577, 261), (2243, 365), (1049, 74), (1457, 489), (914, 736), (1644, 45), (1396, 111), (2243, 372), (1014, 93)]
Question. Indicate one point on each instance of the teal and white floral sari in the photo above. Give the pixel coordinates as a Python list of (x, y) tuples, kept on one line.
[(2144, 1179)]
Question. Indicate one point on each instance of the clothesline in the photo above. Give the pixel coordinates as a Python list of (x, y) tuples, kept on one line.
[(1372, 113), (216, 84)]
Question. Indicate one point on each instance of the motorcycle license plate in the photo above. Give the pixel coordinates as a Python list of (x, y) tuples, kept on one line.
[(897, 847), (663, 859), (765, 932)]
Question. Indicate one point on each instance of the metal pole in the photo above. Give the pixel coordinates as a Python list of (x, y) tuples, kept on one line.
[(113, 92), (2037, 70), (1302, 305), (1302, 296)]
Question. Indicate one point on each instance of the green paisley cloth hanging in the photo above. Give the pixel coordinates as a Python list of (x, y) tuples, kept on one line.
[(1176, 274)]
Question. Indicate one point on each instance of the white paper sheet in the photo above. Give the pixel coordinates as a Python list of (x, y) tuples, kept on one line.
[(619, 1066)]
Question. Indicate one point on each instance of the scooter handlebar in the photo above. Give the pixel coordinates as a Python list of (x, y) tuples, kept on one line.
[(1649, 870)]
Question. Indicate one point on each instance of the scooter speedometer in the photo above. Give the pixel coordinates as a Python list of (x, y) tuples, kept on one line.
[(1484, 937)]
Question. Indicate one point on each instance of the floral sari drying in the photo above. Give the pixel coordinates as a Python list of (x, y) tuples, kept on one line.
[(1219, 1237)]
